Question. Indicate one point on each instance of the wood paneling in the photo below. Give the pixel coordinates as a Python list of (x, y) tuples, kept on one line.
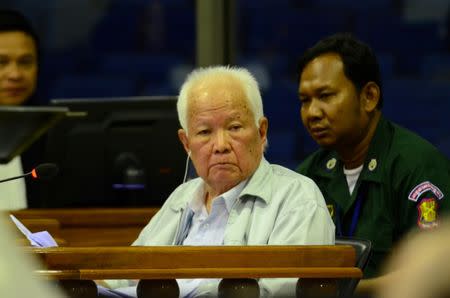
[(165, 262)]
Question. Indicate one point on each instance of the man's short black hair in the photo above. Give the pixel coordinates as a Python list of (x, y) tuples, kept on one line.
[(12, 20), (360, 63)]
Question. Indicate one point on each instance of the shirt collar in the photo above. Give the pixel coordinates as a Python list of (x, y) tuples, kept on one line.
[(378, 150), (229, 197), (197, 201), (259, 183), (332, 166)]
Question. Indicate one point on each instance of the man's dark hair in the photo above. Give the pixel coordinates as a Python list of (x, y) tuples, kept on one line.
[(11, 20), (360, 63)]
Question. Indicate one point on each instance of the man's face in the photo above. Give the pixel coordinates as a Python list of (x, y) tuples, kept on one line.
[(331, 110), (225, 144), (18, 67)]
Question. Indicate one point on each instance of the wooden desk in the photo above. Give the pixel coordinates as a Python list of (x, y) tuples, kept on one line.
[(318, 266)]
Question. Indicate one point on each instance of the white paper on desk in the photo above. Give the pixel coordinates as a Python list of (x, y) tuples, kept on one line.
[(38, 239)]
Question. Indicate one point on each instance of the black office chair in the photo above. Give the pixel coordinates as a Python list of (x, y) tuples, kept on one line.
[(363, 249)]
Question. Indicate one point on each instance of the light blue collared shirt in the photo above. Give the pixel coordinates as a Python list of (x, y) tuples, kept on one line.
[(276, 207), (207, 229)]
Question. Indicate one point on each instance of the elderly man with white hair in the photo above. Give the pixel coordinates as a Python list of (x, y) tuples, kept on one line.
[(238, 198)]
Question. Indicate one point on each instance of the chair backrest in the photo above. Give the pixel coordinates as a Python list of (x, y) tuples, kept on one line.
[(363, 250)]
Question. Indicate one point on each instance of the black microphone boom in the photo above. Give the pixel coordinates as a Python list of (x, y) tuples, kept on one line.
[(13, 178), (43, 171)]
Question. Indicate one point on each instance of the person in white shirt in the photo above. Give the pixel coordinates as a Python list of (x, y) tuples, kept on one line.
[(16, 270), (18, 78), (239, 198)]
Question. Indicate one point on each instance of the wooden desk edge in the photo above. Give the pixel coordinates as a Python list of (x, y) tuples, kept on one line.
[(95, 274)]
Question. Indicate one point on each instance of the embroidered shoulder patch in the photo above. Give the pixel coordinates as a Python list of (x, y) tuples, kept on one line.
[(423, 187), (427, 213)]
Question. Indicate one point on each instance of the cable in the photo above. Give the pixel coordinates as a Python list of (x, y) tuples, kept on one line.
[(186, 167)]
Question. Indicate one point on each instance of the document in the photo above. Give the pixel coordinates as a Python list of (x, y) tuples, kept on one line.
[(38, 239)]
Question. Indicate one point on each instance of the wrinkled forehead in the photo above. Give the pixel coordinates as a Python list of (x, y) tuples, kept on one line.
[(218, 92)]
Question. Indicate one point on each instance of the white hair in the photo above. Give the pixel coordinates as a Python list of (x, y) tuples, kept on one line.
[(244, 77)]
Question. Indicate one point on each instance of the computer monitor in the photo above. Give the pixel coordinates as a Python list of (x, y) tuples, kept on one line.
[(21, 126), (114, 152)]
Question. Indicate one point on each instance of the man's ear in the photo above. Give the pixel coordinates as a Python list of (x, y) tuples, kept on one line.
[(370, 96), (263, 128), (184, 140)]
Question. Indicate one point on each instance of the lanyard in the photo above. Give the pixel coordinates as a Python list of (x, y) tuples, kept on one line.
[(355, 215)]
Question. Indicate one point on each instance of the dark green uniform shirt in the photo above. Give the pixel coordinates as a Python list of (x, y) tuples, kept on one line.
[(404, 183)]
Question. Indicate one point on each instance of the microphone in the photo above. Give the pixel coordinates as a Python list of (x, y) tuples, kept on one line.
[(43, 171)]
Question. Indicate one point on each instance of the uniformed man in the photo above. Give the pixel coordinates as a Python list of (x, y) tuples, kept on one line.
[(379, 180)]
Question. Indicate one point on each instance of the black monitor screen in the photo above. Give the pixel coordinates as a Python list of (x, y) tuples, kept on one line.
[(21, 126), (115, 153)]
